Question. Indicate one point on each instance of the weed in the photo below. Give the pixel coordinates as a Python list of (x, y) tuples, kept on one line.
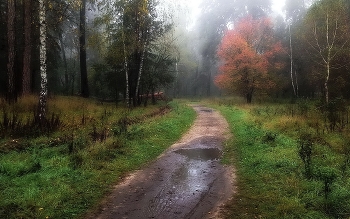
[(62, 174), (306, 142), (304, 107), (269, 137), (99, 135), (346, 154), (12, 124), (335, 114), (76, 160), (327, 175)]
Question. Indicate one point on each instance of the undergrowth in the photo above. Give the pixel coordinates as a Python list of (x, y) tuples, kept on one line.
[(64, 173), (291, 161)]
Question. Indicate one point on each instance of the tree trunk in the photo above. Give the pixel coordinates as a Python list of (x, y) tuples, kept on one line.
[(27, 54), (249, 96), (326, 83), (82, 46), (153, 97), (66, 80), (140, 71), (176, 79), (11, 13), (328, 61), (296, 82), (43, 84), (291, 61), (127, 92), (209, 83)]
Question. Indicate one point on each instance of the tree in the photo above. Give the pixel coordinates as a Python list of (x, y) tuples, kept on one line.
[(11, 41), (247, 54), (295, 10), (132, 25), (293, 74), (43, 83), (27, 54), (82, 47), (211, 26), (3, 46), (325, 31), (161, 57), (216, 16)]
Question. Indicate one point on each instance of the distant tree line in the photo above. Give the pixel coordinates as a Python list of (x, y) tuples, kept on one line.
[(312, 62)]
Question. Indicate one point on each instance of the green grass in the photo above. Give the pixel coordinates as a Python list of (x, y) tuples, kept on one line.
[(65, 173), (270, 174)]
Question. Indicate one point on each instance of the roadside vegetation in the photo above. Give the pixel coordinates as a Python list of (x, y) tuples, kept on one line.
[(292, 159), (88, 146)]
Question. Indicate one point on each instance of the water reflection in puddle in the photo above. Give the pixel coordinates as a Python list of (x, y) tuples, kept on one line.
[(206, 110), (202, 154)]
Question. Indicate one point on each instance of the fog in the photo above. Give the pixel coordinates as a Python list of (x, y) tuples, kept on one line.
[(201, 24)]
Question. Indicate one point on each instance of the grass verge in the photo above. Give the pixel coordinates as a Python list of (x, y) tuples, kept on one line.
[(271, 176), (63, 174)]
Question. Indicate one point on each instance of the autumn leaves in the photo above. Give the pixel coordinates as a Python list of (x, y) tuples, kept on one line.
[(248, 55)]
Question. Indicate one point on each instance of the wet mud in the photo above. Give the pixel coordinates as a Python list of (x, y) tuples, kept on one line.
[(187, 181), (202, 154)]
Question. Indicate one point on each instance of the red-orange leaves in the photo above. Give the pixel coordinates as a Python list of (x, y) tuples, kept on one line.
[(247, 53)]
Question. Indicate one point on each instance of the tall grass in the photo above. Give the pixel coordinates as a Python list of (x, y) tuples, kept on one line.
[(67, 172), (268, 147)]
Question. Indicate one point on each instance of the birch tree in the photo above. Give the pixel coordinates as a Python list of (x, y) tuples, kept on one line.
[(43, 74), (131, 25), (293, 75), (127, 95), (326, 29)]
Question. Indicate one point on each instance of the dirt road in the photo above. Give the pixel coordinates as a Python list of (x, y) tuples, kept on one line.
[(187, 181)]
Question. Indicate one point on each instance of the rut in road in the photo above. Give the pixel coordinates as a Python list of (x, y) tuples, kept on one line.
[(186, 181)]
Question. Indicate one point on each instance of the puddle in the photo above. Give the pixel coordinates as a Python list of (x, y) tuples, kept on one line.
[(203, 154), (207, 110)]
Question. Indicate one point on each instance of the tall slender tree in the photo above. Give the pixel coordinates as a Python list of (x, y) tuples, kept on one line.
[(27, 54), (127, 95), (326, 30), (292, 73), (11, 41), (43, 74), (82, 47)]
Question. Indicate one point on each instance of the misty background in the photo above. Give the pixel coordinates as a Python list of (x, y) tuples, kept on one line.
[(175, 49)]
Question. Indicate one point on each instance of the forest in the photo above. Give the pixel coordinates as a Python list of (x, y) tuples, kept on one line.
[(87, 86), (101, 49)]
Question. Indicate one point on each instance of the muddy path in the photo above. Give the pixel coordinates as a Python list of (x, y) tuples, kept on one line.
[(187, 181)]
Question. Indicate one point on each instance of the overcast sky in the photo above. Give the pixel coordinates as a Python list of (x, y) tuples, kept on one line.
[(193, 6)]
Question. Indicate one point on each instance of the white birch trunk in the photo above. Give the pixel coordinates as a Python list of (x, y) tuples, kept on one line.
[(43, 83), (140, 69), (328, 62), (326, 83), (296, 82), (127, 93)]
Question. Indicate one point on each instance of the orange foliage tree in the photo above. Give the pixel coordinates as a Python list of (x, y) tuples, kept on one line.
[(248, 53)]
